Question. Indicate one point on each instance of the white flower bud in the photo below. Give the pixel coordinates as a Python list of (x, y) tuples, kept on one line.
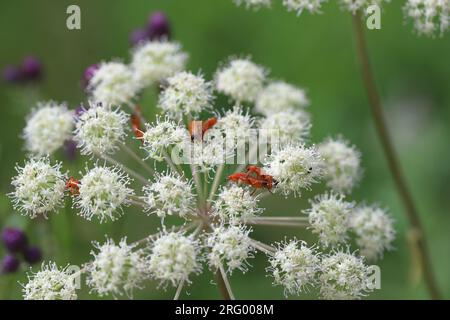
[(280, 96)]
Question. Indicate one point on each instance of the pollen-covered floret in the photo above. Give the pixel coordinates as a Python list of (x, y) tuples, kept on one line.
[(374, 230), (50, 283), (169, 195), (186, 94), (342, 161), (241, 79), (174, 257), (294, 167), (429, 16), (235, 204), (47, 128), (116, 269), (102, 193), (294, 266), (312, 6), (343, 276), (287, 127), (113, 83), (280, 96), (230, 246), (38, 187), (255, 4), (100, 129), (155, 61), (329, 217)]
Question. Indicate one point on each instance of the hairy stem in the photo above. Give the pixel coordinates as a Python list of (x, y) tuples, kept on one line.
[(391, 156)]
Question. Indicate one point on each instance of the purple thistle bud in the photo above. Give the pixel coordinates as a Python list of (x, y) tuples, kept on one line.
[(31, 68), (10, 264), (14, 239), (138, 36), (89, 73), (12, 74), (32, 255), (158, 26)]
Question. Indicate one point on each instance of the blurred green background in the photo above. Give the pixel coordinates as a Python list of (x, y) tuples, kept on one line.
[(316, 52)]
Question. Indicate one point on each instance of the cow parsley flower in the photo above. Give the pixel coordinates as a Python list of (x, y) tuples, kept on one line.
[(344, 276), (294, 167), (342, 164), (48, 127), (256, 4), (313, 6), (329, 218), (241, 79), (113, 83), (294, 266), (99, 130), (374, 231), (280, 96), (155, 61), (288, 126), (429, 16), (116, 268), (185, 94), (235, 204), (231, 246), (174, 257), (102, 193), (169, 195), (50, 283), (38, 187)]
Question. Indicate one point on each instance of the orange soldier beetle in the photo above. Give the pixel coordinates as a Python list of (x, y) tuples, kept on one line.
[(73, 185), (194, 131)]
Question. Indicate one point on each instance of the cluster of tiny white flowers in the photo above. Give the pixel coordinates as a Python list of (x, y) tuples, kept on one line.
[(113, 83), (235, 126), (290, 126), (116, 269), (174, 257), (342, 164), (100, 129), (231, 246), (280, 96), (355, 5), (38, 187), (241, 79), (169, 194), (155, 61), (429, 16), (50, 283), (102, 193), (313, 6), (47, 128), (256, 4)]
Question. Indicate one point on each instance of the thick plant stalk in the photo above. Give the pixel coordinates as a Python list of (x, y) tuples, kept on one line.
[(391, 157)]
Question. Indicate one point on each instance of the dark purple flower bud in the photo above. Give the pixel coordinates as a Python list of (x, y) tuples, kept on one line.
[(14, 239), (31, 68), (138, 36), (79, 111), (158, 26), (12, 74), (10, 264), (89, 73), (32, 255), (70, 149)]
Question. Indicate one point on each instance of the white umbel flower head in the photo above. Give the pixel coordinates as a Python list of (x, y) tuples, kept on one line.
[(344, 277), (287, 127), (280, 96), (230, 246), (374, 231), (155, 61), (429, 16), (235, 126), (100, 129), (255, 4), (161, 135), (294, 266), (50, 283), (355, 5), (116, 269), (185, 94), (235, 204), (342, 161), (102, 193), (312, 6), (294, 167), (113, 84), (241, 79), (169, 195), (329, 218), (38, 187), (47, 128), (174, 257)]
